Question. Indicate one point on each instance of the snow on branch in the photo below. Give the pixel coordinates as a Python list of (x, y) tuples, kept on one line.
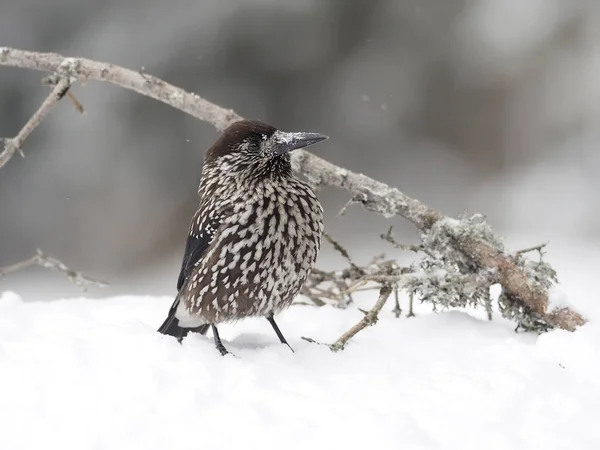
[(467, 246)]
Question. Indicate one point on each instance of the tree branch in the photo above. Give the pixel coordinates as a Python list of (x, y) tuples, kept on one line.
[(373, 195), (150, 86), (14, 144), (40, 259), (370, 318)]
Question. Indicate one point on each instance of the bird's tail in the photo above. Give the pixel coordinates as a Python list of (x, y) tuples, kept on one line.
[(171, 325)]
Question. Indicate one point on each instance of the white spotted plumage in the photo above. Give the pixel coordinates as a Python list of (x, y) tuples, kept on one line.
[(264, 227)]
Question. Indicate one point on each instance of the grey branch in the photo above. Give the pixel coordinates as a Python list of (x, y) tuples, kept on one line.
[(536, 248), (48, 262), (13, 145), (370, 318), (397, 310), (373, 195), (83, 69), (389, 237)]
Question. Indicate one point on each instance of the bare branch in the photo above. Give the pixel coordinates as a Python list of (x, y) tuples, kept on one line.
[(76, 103), (410, 305), (397, 310), (349, 203), (40, 259), (389, 237), (312, 297), (373, 195), (14, 144), (342, 251), (536, 248), (370, 318), (52, 80), (84, 69)]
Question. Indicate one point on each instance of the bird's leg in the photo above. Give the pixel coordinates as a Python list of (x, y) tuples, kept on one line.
[(218, 342), (278, 332)]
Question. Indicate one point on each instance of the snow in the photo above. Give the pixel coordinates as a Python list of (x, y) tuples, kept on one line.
[(284, 137), (558, 299), (93, 374)]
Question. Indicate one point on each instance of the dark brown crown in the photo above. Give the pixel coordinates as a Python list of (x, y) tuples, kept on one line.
[(252, 131)]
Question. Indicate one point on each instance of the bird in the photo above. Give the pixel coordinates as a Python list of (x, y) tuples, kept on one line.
[(255, 236)]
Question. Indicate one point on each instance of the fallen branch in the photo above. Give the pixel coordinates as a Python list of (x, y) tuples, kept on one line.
[(48, 262), (370, 318), (477, 253)]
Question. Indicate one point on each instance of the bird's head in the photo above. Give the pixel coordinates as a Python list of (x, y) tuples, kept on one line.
[(251, 147)]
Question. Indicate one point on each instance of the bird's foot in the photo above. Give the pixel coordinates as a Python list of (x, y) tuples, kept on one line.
[(289, 346), (218, 342), (278, 332), (222, 349)]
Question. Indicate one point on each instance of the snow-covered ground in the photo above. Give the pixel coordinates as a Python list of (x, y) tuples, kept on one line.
[(93, 374)]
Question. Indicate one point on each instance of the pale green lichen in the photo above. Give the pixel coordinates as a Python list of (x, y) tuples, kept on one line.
[(514, 309), (442, 285), (442, 236), (526, 318), (447, 278)]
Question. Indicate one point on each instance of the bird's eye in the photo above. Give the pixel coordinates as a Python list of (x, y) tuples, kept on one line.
[(253, 146)]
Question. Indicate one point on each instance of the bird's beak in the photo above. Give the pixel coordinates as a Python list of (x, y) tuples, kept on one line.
[(286, 142)]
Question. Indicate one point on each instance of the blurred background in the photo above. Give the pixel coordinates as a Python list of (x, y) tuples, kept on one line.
[(487, 106)]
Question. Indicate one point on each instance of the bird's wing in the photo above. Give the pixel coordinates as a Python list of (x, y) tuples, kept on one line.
[(201, 235), (203, 230)]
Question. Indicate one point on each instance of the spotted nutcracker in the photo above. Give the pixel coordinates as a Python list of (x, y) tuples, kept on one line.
[(255, 236)]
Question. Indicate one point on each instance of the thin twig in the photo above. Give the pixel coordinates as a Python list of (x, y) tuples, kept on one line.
[(389, 237), (313, 298), (410, 305), (300, 303), (48, 262), (350, 202), (76, 103), (344, 301), (370, 318), (13, 145), (342, 251), (312, 341), (487, 303), (377, 259), (52, 80), (536, 248), (358, 285), (397, 310)]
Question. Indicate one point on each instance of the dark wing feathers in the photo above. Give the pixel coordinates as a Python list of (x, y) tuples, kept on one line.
[(194, 249), (197, 243), (200, 237)]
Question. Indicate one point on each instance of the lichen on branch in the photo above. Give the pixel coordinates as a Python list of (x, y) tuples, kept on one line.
[(466, 245)]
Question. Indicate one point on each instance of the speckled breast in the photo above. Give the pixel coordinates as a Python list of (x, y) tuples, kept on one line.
[(261, 256)]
